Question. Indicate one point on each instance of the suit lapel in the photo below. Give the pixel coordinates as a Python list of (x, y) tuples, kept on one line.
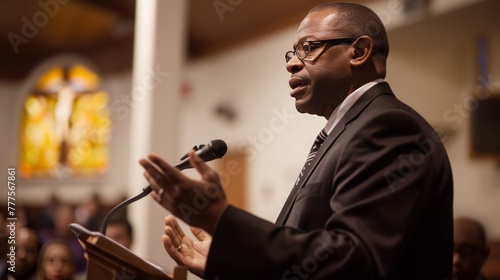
[(351, 114)]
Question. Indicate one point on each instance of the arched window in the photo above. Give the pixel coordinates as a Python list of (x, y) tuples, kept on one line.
[(65, 125)]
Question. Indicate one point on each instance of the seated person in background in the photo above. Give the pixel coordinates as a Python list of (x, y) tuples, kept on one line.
[(56, 261), (120, 230), (89, 213), (3, 248), (28, 246), (64, 214), (471, 249)]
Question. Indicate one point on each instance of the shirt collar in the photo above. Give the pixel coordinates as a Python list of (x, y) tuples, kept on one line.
[(340, 111)]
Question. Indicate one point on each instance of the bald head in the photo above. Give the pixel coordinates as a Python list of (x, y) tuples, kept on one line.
[(472, 230), (471, 248)]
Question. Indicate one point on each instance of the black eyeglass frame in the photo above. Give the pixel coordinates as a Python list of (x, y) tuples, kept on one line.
[(332, 42)]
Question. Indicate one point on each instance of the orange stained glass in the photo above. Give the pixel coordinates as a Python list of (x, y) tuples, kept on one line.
[(66, 125)]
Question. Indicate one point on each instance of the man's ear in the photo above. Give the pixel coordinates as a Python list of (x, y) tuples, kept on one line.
[(486, 253), (362, 50)]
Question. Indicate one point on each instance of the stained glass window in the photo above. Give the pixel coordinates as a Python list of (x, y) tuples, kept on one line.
[(66, 125)]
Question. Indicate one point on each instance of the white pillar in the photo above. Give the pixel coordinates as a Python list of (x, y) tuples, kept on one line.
[(157, 73)]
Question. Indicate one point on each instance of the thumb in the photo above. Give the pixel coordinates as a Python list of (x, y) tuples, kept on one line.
[(205, 171), (199, 233), (195, 160)]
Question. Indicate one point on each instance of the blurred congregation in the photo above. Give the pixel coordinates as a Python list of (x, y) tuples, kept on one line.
[(46, 248)]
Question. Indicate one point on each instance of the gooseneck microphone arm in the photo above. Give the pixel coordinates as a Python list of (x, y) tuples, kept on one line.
[(214, 150), (145, 191)]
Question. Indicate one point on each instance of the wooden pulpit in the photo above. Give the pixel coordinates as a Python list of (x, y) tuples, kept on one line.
[(109, 260)]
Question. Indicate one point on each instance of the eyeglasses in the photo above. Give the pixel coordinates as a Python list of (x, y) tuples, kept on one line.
[(467, 250), (303, 49)]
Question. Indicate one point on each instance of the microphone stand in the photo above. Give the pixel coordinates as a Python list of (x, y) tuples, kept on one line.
[(145, 191)]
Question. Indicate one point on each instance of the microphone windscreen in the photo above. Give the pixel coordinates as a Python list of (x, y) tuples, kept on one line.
[(219, 147)]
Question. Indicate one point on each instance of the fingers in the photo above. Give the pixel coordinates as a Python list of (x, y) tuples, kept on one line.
[(175, 242), (162, 178), (158, 172), (169, 172), (171, 251), (199, 233), (152, 170), (152, 174), (161, 198), (173, 189), (171, 221), (168, 244), (207, 173)]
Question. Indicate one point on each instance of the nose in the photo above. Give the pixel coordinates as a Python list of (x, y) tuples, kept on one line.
[(21, 253), (58, 266), (294, 65), (456, 259)]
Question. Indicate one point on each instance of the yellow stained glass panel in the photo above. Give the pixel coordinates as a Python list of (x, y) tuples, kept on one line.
[(66, 124)]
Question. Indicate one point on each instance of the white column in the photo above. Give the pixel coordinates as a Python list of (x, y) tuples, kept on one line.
[(158, 63)]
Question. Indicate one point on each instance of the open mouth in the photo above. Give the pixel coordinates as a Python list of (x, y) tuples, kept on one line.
[(296, 83)]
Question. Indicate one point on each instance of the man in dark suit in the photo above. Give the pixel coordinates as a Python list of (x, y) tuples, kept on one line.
[(373, 202), (470, 249)]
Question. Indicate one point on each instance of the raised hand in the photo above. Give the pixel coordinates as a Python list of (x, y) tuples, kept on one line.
[(199, 203), (185, 251)]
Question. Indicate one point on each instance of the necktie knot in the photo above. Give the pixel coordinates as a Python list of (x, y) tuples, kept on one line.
[(319, 141), (314, 150)]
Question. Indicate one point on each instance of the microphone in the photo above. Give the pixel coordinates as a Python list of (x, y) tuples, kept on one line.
[(213, 150)]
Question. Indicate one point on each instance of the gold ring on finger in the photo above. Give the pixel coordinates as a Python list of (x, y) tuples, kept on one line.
[(160, 196)]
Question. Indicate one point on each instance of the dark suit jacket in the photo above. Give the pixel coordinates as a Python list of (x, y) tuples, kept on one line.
[(376, 204), (3, 268)]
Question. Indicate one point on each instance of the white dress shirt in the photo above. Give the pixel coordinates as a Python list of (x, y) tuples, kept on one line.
[(340, 111)]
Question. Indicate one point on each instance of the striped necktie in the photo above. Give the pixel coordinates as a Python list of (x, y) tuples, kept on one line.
[(312, 153), (314, 150)]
